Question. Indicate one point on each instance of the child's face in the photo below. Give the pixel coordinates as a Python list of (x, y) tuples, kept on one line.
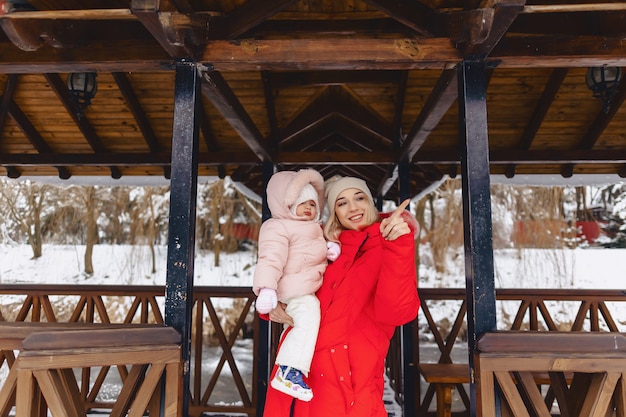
[(307, 209)]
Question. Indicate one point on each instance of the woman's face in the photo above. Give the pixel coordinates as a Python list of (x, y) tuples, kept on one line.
[(352, 209)]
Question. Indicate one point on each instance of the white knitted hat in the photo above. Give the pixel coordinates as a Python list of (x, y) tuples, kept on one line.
[(308, 193)]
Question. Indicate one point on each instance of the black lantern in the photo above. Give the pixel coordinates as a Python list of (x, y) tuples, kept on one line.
[(82, 87), (603, 82)]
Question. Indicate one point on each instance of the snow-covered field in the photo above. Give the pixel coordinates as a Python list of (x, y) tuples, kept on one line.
[(131, 265)]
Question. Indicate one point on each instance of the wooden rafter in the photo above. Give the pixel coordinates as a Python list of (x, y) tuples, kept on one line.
[(443, 95), (597, 127), (420, 18), (245, 17), (541, 109), (350, 157), (337, 100), (34, 137), (216, 89), (376, 66), (59, 87)]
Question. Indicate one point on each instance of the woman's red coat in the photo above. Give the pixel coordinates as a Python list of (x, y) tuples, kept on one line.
[(368, 291)]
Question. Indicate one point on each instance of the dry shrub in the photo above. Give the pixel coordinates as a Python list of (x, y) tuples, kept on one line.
[(443, 226), (540, 233)]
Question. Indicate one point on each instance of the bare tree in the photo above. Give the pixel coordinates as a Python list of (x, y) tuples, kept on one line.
[(225, 218), (149, 215), (91, 225), (25, 204), (443, 227)]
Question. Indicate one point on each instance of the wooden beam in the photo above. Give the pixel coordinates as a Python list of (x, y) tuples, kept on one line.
[(136, 55), (270, 106), (330, 54), (172, 29), (420, 18), (541, 109), (334, 131), (140, 55), (503, 157), (567, 52), (560, 8), (332, 101), (598, 126), (495, 22), (605, 23), (528, 157), (216, 89), (139, 114), (126, 159), (206, 129), (291, 79), (84, 14), (7, 98), (247, 16), (34, 136), (89, 133), (441, 98)]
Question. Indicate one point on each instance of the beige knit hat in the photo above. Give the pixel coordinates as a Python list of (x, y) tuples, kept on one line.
[(335, 187)]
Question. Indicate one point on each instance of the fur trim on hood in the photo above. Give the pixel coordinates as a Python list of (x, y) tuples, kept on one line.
[(284, 188)]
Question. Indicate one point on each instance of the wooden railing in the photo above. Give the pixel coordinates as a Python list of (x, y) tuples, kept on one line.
[(517, 309), (224, 319), (216, 327)]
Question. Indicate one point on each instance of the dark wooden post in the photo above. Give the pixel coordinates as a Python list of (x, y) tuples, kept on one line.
[(265, 328), (410, 388), (182, 220), (479, 275)]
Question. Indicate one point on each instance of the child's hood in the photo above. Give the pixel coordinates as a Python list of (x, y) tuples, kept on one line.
[(284, 188)]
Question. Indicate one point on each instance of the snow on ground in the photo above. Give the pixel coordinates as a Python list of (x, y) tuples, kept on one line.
[(116, 264), (131, 265)]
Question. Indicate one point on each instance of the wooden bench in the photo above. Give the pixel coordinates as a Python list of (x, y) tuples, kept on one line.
[(444, 376), (584, 369), (12, 335)]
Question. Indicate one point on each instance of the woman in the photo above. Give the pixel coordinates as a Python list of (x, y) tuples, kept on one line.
[(369, 290)]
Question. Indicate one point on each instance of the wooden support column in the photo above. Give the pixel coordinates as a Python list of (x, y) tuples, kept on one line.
[(265, 328), (410, 386), (182, 220), (478, 240)]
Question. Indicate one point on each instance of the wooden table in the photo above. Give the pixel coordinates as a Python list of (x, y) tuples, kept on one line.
[(583, 368), (52, 340)]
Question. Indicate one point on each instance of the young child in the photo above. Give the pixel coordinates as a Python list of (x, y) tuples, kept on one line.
[(292, 261)]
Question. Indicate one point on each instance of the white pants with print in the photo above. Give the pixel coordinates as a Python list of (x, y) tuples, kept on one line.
[(297, 349)]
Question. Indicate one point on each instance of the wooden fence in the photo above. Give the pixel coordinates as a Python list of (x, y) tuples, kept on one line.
[(517, 309), (224, 326)]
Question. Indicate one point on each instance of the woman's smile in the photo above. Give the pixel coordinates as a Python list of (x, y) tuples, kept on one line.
[(351, 208)]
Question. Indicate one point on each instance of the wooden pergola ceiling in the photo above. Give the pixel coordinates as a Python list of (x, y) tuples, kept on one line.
[(345, 87)]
